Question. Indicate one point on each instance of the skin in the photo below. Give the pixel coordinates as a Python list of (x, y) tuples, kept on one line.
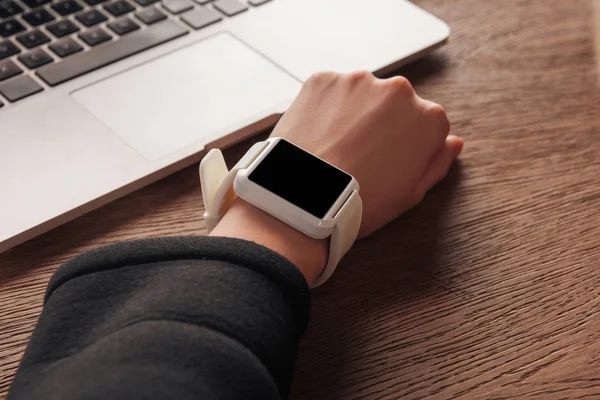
[(372, 128)]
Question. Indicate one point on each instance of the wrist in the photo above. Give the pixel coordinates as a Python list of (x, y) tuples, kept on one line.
[(244, 221)]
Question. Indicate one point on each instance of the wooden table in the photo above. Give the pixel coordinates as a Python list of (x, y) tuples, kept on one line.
[(490, 289)]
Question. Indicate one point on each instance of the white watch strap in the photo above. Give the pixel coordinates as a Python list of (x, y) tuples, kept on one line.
[(218, 195), (344, 235), (217, 182)]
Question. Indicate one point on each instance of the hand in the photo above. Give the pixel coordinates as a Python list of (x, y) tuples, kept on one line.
[(393, 142)]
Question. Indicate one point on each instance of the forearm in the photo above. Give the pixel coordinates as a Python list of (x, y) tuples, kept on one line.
[(174, 317)]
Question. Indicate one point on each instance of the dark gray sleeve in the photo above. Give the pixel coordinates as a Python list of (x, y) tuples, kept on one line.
[(177, 318)]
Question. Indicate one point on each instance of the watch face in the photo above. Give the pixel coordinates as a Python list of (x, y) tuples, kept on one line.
[(300, 178)]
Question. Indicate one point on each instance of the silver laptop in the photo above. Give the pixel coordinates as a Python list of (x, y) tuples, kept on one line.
[(101, 97)]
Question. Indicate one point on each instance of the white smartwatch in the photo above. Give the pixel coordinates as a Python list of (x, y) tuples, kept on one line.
[(293, 186)]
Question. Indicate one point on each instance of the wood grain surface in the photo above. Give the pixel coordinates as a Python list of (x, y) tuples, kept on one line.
[(490, 289)]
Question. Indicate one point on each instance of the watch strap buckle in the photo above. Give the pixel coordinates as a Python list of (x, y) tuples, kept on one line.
[(217, 181)]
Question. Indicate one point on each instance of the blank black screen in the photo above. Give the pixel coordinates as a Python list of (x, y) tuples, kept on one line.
[(300, 178)]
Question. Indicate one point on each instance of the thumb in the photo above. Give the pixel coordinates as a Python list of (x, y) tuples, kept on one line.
[(440, 164)]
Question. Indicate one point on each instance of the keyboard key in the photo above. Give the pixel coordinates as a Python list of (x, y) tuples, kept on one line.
[(123, 26), (35, 59), (38, 17), (9, 8), (177, 6), (145, 3), (94, 37), (10, 27), (229, 7), (8, 69), (65, 47), (35, 3), (91, 17), (150, 16), (93, 2), (202, 2), (62, 28), (119, 8), (17, 89), (7, 49), (129, 45), (257, 2), (33, 39), (201, 17), (67, 7)]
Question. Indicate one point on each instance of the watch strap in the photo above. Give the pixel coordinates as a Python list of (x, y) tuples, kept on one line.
[(218, 195), (217, 182), (344, 235)]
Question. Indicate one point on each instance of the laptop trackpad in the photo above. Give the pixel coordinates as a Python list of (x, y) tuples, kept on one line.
[(195, 94)]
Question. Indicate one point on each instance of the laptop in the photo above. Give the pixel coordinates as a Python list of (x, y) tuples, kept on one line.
[(101, 97)]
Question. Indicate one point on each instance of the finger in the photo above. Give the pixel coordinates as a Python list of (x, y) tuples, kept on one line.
[(437, 118), (440, 164)]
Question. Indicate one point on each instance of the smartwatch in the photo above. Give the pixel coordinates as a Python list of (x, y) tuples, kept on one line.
[(292, 185)]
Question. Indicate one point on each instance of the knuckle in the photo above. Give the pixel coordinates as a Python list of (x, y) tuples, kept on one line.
[(359, 76), (436, 111), (320, 78), (438, 114), (401, 85)]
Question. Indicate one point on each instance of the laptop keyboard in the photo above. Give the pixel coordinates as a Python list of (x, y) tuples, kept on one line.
[(59, 40)]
